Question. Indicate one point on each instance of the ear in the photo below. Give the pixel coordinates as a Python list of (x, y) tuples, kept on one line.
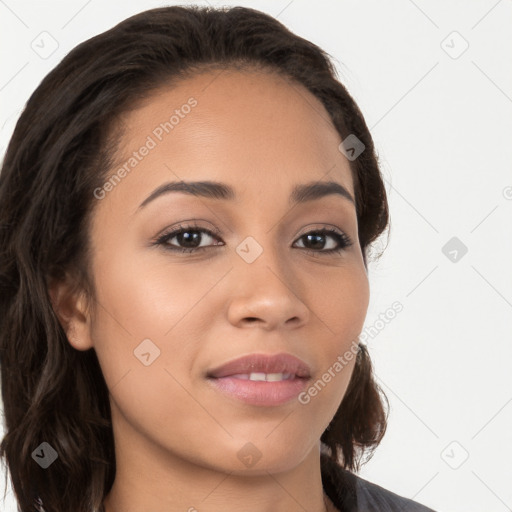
[(72, 310)]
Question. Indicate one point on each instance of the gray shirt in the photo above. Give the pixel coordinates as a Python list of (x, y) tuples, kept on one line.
[(351, 493)]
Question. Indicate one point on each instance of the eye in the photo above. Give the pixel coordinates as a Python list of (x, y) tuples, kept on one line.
[(188, 236), (318, 238), (188, 239)]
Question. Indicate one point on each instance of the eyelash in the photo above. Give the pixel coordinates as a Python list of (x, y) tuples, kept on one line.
[(343, 240)]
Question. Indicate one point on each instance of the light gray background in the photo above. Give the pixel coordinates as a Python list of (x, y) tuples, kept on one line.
[(441, 118)]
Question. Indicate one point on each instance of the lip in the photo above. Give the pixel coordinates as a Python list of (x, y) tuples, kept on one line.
[(263, 363), (231, 379)]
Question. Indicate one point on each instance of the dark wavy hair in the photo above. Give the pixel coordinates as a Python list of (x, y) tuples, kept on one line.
[(62, 148)]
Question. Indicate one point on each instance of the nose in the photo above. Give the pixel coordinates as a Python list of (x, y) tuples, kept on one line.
[(267, 295)]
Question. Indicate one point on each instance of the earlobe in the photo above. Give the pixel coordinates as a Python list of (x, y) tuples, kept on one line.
[(72, 312)]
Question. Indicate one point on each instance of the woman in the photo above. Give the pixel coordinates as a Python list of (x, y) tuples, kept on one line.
[(187, 205)]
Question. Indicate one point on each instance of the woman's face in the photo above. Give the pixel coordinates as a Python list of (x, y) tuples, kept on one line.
[(164, 319)]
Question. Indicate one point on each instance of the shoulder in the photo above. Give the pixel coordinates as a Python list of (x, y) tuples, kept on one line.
[(351, 493), (373, 497)]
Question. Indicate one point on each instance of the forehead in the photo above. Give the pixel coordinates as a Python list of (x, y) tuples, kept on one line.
[(251, 127)]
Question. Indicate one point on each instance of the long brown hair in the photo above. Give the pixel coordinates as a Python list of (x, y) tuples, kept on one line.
[(61, 150)]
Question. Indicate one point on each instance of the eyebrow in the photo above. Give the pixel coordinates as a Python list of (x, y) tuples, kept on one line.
[(222, 191)]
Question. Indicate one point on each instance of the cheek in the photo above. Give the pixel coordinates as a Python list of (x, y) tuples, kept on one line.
[(341, 304), (323, 396), (146, 335), (148, 296), (152, 398), (137, 298), (151, 307), (340, 301)]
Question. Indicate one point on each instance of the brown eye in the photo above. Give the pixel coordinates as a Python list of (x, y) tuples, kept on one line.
[(316, 241), (187, 239)]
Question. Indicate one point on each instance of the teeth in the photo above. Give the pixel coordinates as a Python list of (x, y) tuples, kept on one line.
[(274, 377), (257, 376), (268, 377)]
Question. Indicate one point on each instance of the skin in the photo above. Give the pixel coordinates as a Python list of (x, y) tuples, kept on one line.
[(177, 438)]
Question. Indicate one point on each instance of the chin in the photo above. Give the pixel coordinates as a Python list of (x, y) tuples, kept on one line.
[(264, 455)]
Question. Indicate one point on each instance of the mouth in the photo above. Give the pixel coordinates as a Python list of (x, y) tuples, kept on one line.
[(259, 379)]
